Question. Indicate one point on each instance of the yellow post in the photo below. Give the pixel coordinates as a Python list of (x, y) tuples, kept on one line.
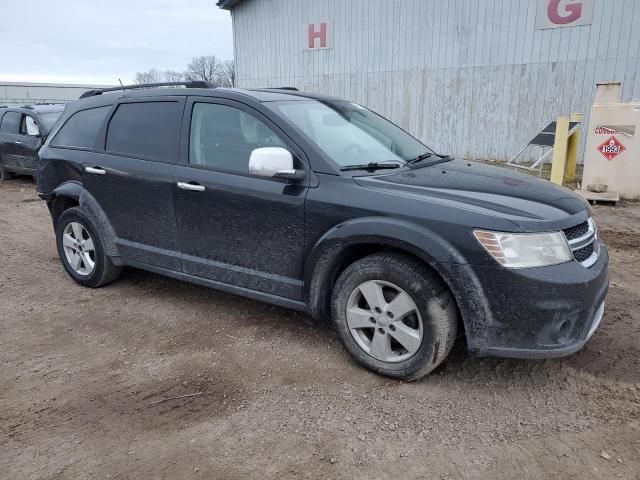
[(572, 150), (560, 150)]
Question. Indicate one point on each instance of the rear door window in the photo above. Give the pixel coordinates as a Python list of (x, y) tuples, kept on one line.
[(11, 122), (148, 130), (81, 130)]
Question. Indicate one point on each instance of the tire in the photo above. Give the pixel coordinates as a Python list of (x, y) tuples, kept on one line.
[(427, 332), (5, 174), (93, 267)]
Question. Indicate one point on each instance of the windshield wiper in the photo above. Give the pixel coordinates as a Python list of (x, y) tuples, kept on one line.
[(426, 155), (371, 166)]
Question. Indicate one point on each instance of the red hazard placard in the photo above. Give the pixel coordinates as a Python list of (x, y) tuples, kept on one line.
[(611, 148)]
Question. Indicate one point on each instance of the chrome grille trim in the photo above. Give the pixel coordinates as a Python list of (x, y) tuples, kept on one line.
[(584, 241), (577, 230)]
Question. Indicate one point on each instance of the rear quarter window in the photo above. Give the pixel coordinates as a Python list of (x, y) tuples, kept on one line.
[(148, 130), (82, 128)]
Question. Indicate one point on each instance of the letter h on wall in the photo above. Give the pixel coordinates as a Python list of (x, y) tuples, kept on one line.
[(313, 34)]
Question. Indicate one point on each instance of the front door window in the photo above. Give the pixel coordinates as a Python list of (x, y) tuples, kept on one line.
[(223, 137)]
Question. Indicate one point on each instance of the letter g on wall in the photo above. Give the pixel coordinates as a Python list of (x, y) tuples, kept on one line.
[(571, 12)]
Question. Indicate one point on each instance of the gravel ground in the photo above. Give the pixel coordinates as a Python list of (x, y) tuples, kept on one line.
[(278, 398)]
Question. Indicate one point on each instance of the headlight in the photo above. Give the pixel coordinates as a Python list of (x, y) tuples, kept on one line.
[(525, 250)]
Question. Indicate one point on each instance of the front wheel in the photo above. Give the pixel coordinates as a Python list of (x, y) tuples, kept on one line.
[(81, 250), (394, 316)]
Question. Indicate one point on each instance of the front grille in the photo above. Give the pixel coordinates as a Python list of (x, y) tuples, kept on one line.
[(576, 231), (582, 240), (584, 253)]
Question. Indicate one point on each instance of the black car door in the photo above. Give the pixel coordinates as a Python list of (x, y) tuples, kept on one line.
[(9, 129), (27, 144), (132, 179), (235, 228)]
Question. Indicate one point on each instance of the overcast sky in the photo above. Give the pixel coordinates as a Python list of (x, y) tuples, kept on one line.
[(89, 41)]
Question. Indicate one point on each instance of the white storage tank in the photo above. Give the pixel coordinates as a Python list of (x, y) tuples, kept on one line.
[(612, 153)]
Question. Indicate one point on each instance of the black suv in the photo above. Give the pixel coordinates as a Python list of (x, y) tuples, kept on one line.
[(320, 205), (22, 130)]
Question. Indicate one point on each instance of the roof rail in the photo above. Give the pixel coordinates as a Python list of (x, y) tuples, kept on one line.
[(282, 88), (194, 84)]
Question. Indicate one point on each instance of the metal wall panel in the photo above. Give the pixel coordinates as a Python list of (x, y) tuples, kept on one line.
[(468, 77)]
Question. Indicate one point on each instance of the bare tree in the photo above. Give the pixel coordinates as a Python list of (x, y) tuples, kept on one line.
[(152, 76), (226, 75), (173, 76), (157, 76), (204, 68)]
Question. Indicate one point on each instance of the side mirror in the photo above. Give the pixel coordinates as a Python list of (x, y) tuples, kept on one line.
[(274, 162)]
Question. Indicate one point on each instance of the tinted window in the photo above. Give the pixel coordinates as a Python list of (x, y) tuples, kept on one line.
[(10, 122), (223, 137), (147, 130), (49, 118), (82, 128)]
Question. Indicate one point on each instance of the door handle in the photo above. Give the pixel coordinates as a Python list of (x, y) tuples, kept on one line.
[(191, 187), (95, 170), (18, 142)]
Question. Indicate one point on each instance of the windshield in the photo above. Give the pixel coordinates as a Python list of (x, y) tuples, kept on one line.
[(49, 118), (348, 133)]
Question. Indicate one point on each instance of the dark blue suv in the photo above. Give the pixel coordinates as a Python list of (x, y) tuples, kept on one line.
[(318, 204)]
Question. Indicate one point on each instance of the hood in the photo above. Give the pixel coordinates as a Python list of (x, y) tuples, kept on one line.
[(526, 201)]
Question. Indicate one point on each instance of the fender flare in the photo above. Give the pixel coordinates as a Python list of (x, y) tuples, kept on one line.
[(70, 189), (327, 254), (90, 206)]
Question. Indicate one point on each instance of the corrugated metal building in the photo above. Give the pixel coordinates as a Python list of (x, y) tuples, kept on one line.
[(22, 93), (476, 78)]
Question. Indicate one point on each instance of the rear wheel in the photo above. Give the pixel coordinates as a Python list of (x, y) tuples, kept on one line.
[(394, 316), (81, 250), (5, 174)]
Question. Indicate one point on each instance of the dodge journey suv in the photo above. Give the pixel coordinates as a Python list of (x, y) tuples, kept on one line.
[(320, 205)]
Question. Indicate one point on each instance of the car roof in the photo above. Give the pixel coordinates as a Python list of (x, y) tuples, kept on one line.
[(35, 108), (107, 98)]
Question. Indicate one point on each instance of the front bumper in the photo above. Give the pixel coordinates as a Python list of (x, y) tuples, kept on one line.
[(531, 313), (540, 353)]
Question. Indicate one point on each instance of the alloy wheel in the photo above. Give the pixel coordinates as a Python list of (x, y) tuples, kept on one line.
[(79, 248), (384, 321)]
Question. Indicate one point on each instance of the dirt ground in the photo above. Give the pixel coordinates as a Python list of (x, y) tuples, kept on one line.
[(81, 370)]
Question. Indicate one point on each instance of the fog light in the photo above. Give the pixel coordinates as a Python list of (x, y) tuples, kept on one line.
[(564, 331)]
